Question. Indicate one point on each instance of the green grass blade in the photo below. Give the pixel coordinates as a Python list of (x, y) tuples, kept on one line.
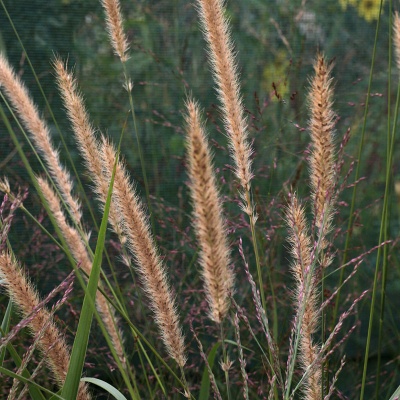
[(106, 386), (79, 348), (5, 326), (35, 390), (357, 172), (382, 236), (396, 394), (122, 370), (205, 380)]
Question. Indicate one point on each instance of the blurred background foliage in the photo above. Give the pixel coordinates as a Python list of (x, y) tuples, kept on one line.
[(276, 43)]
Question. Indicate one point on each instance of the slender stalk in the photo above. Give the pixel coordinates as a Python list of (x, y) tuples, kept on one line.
[(226, 364), (120, 45), (128, 85), (393, 31), (357, 173), (252, 220), (185, 385), (242, 361), (381, 235)]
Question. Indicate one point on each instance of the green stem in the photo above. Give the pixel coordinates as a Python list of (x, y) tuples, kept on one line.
[(357, 175), (252, 221), (382, 235), (128, 85), (187, 393), (386, 211), (384, 232), (255, 247), (226, 361)]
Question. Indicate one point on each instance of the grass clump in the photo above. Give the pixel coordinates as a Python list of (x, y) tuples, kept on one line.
[(280, 335)]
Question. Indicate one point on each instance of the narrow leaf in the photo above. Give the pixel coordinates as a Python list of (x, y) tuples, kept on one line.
[(5, 326), (31, 383), (35, 393), (79, 348), (205, 380), (106, 386), (396, 394)]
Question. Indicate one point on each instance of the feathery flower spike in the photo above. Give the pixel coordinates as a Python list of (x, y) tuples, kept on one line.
[(51, 340), (81, 256), (222, 59), (305, 297), (208, 221), (115, 28), (86, 138), (141, 245), (40, 134), (322, 159)]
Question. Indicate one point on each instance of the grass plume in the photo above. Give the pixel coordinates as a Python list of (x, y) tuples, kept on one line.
[(115, 28), (305, 296), (322, 161), (80, 253), (40, 133), (86, 139), (222, 60), (208, 222), (51, 341), (139, 241)]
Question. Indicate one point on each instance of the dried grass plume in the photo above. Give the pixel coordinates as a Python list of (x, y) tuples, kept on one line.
[(322, 159), (51, 341), (141, 245), (40, 134), (208, 220), (115, 28), (396, 37), (305, 297), (222, 59)]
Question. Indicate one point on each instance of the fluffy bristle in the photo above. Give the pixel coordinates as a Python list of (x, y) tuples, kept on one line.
[(222, 60), (50, 341), (115, 28), (305, 297), (40, 133), (140, 242), (208, 221), (322, 159)]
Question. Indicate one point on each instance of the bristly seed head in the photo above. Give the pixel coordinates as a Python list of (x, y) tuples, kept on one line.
[(322, 158), (208, 221)]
